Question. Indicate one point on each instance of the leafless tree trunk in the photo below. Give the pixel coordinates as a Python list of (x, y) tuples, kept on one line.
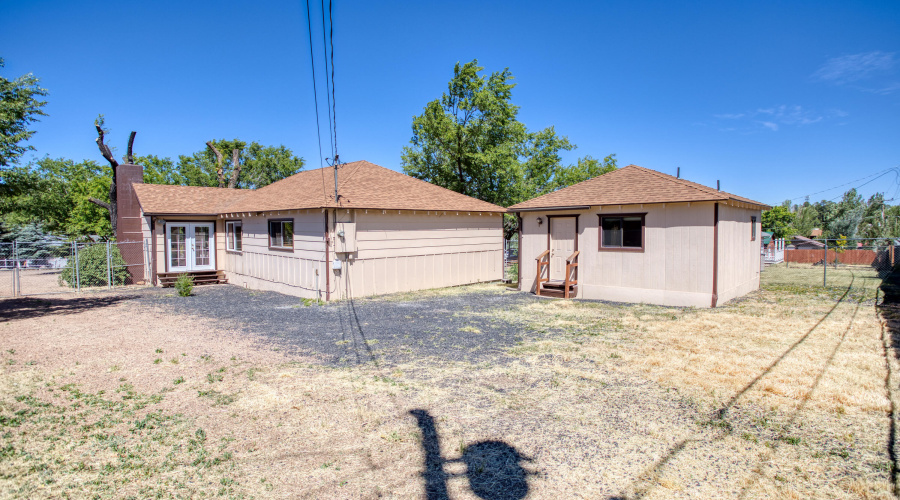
[(235, 169), (129, 158), (220, 171), (112, 206)]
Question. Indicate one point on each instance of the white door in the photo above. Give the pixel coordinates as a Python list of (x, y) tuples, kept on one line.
[(190, 246), (562, 245)]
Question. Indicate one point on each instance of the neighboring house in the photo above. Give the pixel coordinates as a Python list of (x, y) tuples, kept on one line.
[(387, 232), (637, 235), (802, 243)]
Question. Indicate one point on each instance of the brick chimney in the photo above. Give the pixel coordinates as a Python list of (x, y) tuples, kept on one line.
[(128, 221)]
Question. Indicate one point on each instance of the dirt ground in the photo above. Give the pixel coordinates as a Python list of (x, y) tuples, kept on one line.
[(781, 394)]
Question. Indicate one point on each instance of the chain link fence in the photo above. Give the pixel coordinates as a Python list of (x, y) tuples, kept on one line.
[(37, 268), (847, 264), (511, 260)]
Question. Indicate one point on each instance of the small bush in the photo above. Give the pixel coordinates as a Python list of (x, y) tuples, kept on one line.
[(92, 267), (184, 284)]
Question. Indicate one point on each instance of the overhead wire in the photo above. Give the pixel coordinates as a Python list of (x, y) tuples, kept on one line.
[(333, 99), (879, 173), (312, 61), (893, 170), (327, 82)]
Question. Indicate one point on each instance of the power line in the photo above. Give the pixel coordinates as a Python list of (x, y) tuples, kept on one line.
[(327, 82), (333, 100), (880, 173), (894, 170), (312, 62)]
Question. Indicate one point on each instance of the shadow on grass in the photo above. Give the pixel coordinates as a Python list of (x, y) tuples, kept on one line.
[(31, 307), (889, 309), (719, 417), (493, 468)]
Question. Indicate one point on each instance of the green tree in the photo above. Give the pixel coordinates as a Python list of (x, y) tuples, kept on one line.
[(777, 221), (845, 216), (20, 105), (470, 141), (257, 165), (805, 220), (56, 194)]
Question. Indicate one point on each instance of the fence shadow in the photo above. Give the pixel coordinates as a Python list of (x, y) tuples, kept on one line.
[(493, 468), (31, 307), (889, 309)]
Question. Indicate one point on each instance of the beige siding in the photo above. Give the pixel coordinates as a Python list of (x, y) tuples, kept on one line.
[(675, 268), (300, 271), (408, 251), (738, 254)]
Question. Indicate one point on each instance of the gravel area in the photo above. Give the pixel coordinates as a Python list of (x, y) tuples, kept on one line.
[(456, 327)]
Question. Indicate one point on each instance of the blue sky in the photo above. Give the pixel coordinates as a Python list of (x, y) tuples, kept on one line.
[(775, 99)]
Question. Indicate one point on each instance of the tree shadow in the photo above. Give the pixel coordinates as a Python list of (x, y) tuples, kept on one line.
[(493, 468), (32, 307)]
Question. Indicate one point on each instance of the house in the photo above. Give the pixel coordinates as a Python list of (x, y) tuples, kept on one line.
[(386, 232), (802, 243), (638, 235)]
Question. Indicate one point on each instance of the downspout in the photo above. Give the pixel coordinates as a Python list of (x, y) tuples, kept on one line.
[(327, 261), (519, 255), (715, 283), (153, 251)]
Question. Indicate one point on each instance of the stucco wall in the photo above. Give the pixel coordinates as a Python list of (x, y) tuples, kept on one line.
[(675, 268), (396, 252)]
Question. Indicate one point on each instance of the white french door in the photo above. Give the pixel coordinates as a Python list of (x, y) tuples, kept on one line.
[(562, 245), (191, 246)]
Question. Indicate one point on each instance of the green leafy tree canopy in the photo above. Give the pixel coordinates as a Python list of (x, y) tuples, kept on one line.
[(20, 105)]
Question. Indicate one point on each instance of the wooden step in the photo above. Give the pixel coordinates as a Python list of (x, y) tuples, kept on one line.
[(200, 277), (557, 289)]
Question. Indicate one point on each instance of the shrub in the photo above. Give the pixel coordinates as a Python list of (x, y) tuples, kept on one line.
[(92, 269), (184, 284)]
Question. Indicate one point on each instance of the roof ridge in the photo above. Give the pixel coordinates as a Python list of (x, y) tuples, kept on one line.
[(683, 182)]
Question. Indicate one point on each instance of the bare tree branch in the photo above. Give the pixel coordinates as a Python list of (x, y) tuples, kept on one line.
[(104, 149), (112, 206), (235, 169), (220, 173), (97, 202), (129, 158)]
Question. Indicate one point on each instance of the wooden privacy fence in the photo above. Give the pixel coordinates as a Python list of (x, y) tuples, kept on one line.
[(852, 257)]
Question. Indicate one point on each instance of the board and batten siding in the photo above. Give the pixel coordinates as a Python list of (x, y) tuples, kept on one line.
[(408, 251), (299, 271), (676, 266)]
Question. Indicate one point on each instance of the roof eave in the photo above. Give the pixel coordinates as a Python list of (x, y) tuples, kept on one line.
[(548, 209)]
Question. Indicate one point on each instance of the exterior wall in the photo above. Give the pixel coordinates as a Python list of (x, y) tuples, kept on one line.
[(675, 268), (159, 260), (738, 266), (408, 251), (257, 266)]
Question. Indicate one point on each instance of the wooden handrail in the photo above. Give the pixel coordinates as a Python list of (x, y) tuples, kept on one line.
[(569, 266), (541, 264)]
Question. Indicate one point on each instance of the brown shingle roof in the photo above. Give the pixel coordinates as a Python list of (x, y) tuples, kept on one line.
[(361, 185), (161, 199), (629, 186)]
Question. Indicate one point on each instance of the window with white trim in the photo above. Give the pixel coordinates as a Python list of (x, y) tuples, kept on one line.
[(281, 233), (233, 235)]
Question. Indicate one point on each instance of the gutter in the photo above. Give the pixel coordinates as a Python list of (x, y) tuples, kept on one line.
[(548, 209)]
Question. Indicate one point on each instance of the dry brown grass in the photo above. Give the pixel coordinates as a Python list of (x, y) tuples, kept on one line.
[(623, 404)]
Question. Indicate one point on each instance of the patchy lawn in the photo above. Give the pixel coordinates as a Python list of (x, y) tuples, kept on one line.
[(473, 392)]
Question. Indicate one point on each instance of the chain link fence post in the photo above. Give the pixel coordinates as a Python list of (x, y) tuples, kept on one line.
[(825, 267), (108, 267), (16, 283), (77, 269)]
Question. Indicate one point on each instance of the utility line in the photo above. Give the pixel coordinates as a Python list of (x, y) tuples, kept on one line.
[(333, 101), (312, 61), (327, 82), (882, 172), (894, 170)]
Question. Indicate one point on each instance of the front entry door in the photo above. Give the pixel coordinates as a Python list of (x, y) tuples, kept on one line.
[(562, 245), (190, 246)]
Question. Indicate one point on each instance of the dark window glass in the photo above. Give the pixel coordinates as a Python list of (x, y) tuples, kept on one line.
[(281, 233), (622, 232), (753, 228)]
